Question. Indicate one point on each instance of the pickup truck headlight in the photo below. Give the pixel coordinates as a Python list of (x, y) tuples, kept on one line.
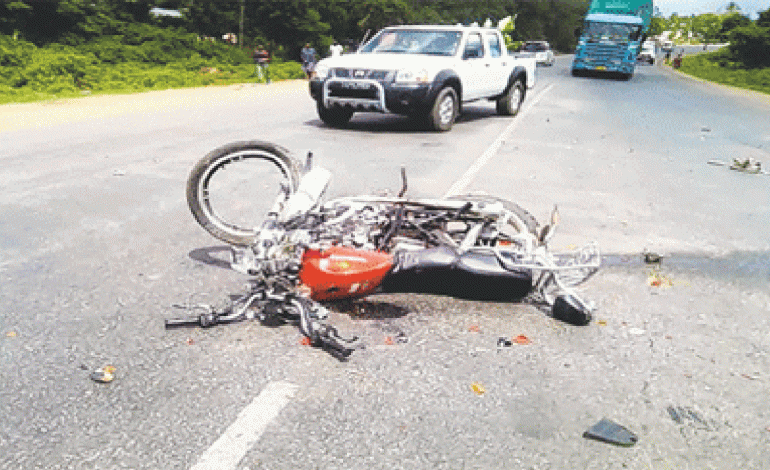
[(412, 76), (321, 71)]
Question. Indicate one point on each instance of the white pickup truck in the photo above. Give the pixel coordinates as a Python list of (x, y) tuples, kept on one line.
[(426, 72)]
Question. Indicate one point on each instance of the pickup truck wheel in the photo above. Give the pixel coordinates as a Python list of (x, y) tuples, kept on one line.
[(510, 104), (335, 117), (444, 111)]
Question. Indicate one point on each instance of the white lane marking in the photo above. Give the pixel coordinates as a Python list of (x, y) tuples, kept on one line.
[(247, 428), (459, 186)]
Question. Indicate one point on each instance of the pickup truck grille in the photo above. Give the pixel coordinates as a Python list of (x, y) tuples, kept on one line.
[(353, 89), (606, 52), (379, 75)]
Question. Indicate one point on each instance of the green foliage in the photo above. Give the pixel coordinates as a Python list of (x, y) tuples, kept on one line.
[(751, 45), (718, 67), (66, 47)]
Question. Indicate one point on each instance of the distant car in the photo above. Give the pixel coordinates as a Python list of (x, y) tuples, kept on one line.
[(540, 50), (647, 54)]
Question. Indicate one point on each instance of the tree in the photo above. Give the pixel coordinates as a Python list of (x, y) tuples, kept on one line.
[(764, 19), (751, 45), (707, 26), (730, 22)]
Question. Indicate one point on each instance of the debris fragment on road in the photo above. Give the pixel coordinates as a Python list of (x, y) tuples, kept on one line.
[(611, 433), (478, 389), (744, 165), (652, 258), (656, 279), (521, 339), (104, 375)]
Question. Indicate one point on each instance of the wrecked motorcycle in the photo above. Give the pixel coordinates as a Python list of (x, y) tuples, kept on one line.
[(305, 251)]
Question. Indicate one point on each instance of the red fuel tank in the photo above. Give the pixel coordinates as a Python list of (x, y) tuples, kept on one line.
[(343, 273)]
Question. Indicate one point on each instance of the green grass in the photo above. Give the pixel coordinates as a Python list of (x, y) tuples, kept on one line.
[(717, 67), (34, 73), (139, 77)]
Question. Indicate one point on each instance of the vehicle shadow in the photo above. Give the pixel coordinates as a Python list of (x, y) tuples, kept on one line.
[(614, 76), (387, 123)]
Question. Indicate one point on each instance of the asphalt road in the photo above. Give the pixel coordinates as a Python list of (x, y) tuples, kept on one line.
[(98, 245)]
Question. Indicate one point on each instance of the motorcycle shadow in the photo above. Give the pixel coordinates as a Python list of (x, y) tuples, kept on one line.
[(358, 309), (218, 256)]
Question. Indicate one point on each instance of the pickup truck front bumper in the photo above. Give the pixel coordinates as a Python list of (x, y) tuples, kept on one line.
[(372, 95)]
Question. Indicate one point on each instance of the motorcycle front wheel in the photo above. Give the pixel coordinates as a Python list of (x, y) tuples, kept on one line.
[(233, 188)]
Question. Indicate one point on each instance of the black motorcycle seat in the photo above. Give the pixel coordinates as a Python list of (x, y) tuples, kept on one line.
[(443, 271)]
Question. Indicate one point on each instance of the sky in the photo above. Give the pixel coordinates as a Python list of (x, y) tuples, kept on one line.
[(697, 7)]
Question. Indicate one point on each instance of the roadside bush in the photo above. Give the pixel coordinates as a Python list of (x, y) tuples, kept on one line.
[(143, 58), (751, 45), (717, 67)]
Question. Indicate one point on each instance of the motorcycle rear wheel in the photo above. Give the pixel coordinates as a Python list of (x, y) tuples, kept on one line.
[(230, 201), (529, 220)]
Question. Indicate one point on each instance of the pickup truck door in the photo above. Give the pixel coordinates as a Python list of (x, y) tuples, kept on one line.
[(499, 64), (474, 68)]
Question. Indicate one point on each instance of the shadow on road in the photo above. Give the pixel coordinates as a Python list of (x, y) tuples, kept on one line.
[(218, 256), (387, 123)]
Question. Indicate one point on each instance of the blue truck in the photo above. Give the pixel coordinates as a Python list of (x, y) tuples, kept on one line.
[(612, 34)]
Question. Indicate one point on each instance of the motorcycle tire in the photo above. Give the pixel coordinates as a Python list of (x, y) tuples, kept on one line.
[(529, 220), (231, 205), (569, 310)]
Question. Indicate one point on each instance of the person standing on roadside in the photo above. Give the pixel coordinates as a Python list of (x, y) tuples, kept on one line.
[(335, 49), (308, 56), (262, 62)]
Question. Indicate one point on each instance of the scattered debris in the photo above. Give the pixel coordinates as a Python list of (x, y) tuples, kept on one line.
[(744, 165), (478, 389), (521, 339), (118, 173), (601, 322), (474, 329), (389, 340), (637, 331), (104, 375), (305, 341), (651, 257), (656, 279), (190, 341), (611, 433), (705, 129), (11, 334), (686, 415), (504, 343)]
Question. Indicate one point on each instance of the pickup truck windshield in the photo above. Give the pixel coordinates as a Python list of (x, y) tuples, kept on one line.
[(598, 30), (409, 41)]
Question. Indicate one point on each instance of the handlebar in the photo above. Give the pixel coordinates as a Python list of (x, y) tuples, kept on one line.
[(204, 320)]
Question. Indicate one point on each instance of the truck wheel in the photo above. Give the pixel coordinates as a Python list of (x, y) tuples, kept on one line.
[(444, 111), (510, 103), (335, 117)]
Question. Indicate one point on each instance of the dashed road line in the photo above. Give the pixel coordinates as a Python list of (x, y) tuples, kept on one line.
[(461, 184), (247, 428)]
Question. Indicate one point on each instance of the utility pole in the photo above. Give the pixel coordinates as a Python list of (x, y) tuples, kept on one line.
[(243, 9)]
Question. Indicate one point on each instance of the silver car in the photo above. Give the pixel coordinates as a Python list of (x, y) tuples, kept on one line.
[(540, 50)]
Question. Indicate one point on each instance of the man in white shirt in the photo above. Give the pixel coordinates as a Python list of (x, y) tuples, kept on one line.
[(335, 49)]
